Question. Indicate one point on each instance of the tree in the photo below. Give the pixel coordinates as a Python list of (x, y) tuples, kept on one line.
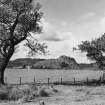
[(64, 64), (18, 19), (95, 50)]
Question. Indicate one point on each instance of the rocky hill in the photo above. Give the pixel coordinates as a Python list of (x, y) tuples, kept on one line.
[(63, 62)]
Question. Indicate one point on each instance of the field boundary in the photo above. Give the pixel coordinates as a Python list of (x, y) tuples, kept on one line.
[(60, 81)]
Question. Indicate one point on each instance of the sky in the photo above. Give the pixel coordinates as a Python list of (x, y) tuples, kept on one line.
[(68, 22)]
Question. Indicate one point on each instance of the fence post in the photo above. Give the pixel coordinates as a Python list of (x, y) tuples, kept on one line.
[(74, 81), (87, 80), (61, 80), (100, 80), (103, 78), (34, 79), (48, 81), (20, 80)]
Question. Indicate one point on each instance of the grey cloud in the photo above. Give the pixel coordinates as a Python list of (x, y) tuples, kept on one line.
[(51, 37)]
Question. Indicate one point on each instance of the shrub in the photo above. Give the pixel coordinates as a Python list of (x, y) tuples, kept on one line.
[(55, 90), (24, 99), (15, 93), (25, 93), (34, 87), (43, 93), (3, 95)]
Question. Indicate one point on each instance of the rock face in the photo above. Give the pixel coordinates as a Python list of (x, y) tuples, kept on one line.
[(68, 62), (63, 62)]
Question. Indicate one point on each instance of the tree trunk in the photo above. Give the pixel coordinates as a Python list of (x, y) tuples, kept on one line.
[(3, 64)]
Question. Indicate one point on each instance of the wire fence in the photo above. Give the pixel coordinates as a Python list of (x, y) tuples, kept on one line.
[(58, 81)]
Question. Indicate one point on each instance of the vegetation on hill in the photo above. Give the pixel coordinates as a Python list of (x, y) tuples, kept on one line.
[(63, 62), (91, 66), (23, 62)]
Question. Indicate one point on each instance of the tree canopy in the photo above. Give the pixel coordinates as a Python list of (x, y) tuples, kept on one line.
[(18, 19), (95, 50)]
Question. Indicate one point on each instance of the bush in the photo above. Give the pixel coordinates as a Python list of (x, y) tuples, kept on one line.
[(3, 95), (47, 91), (24, 99), (25, 93), (15, 93), (43, 93), (34, 87), (4, 92), (53, 89)]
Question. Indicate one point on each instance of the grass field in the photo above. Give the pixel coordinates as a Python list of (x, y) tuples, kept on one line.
[(75, 95), (66, 95), (41, 76), (70, 95)]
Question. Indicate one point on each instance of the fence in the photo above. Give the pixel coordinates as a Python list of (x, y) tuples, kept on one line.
[(60, 81)]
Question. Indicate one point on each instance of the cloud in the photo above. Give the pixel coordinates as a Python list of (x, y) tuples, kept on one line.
[(88, 15), (64, 23), (50, 36), (51, 33), (102, 24), (63, 48), (59, 42)]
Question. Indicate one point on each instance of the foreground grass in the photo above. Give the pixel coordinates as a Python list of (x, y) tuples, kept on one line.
[(56, 95), (25, 93)]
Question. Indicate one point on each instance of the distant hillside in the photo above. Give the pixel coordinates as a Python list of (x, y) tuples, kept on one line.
[(63, 62), (91, 66), (22, 62)]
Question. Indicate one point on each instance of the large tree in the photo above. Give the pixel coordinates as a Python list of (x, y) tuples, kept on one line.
[(95, 50), (18, 20)]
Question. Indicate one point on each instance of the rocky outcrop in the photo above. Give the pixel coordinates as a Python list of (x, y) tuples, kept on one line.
[(63, 62), (68, 62)]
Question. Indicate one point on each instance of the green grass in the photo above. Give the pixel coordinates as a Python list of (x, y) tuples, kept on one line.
[(42, 76)]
